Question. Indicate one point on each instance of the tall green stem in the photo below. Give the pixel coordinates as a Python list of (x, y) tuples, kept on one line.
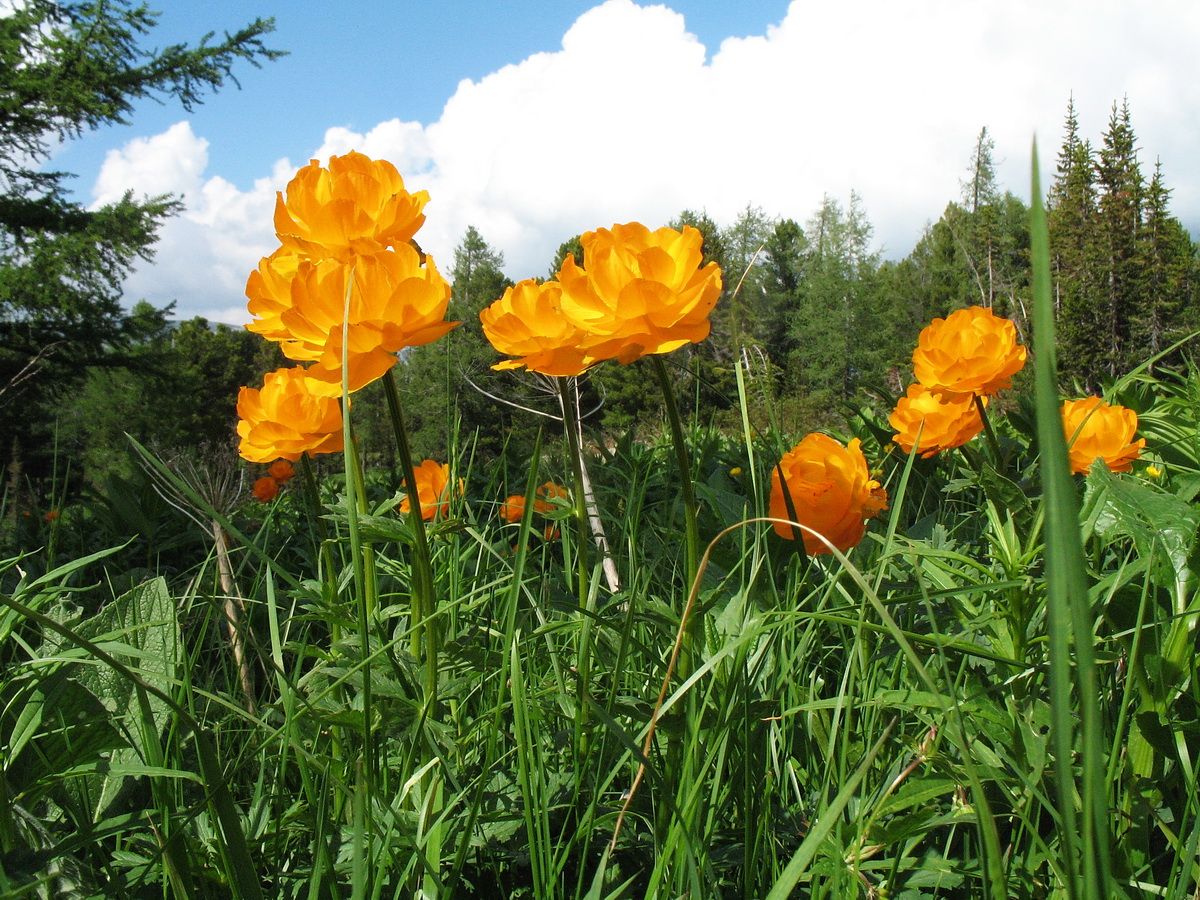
[(990, 433), (426, 637), (361, 555), (425, 632), (568, 395), (692, 532)]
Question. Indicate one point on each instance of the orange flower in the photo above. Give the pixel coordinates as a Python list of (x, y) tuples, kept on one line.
[(265, 489), (281, 470), (943, 419), (357, 206), (433, 489), (269, 289), (546, 494), (528, 323), (1097, 431), (971, 351), (642, 292), (52, 515), (396, 302), (287, 418), (831, 490), (513, 508)]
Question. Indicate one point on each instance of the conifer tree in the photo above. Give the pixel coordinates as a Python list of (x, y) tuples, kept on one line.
[(1071, 215), (834, 326), (1124, 268), (783, 262), (444, 382), (743, 299), (1119, 225), (65, 69), (1168, 261)]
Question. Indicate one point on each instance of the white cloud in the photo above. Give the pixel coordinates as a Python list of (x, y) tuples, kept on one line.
[(628, 121), (171, 162), (204, 254)]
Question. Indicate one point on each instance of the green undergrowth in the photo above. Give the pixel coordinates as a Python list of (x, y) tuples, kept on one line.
[(993, 696)]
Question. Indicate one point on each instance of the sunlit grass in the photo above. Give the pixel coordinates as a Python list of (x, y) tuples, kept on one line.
[(992, 696)]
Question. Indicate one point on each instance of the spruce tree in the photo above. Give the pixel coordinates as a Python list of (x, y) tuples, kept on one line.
[(1119, 225), (1071, 213), (446, 384), (836, 323), (1124, 268), (65, 69), (1168, 263)]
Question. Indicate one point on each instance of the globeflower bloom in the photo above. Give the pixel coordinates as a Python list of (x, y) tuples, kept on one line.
[(281, 470), (395, 302), (265, 489), (642, 291), (527, 322), (971, 351), (831, 490), (943, 420), (432, 480), (514, 507), (546, 495), (1097, 431), (287, 418), (269, 289), (357, 206)]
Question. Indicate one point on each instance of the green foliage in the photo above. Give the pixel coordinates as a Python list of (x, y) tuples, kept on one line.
[(885, 722), (175, 388)]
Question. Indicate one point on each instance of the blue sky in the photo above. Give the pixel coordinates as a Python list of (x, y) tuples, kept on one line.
[(358, 63), (534, 121)]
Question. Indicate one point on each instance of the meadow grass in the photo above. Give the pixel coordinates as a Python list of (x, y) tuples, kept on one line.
[(992, 696)]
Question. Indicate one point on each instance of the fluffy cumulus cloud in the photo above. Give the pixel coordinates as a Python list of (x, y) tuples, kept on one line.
[(204, 254), (634, 119)]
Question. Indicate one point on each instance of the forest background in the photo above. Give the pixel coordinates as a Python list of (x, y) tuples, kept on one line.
[(824, 323)]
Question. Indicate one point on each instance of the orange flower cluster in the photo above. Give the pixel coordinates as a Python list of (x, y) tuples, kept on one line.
[(432, 480), (346, 284), (1097, 431), (971, 354), (831, 491), (642, 292), (266, 489), (543, 502)]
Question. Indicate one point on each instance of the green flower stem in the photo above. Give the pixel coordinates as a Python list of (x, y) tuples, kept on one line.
[(362, 558), (692, 536), (312, 494), (425, 636), (681, 749), (988, 431)]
